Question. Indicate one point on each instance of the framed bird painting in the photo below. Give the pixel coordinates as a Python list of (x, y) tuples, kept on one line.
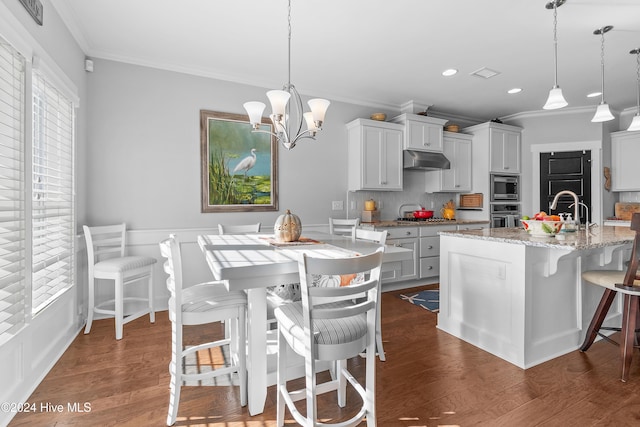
[(239, 167)]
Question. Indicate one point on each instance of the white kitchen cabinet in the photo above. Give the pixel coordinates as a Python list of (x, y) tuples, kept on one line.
[(429, 255), (405, 237), (504, 150), (421, 133), (457, 148), (374, 152), (625, 152), (462, 227)]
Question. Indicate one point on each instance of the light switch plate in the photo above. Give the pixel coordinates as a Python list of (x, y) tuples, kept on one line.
[(337, 205)]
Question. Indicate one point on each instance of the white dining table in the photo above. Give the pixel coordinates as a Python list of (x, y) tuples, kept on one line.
[(254, 262)]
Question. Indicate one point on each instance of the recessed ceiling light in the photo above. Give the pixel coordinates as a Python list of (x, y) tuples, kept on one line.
[(450, 72), (594, 94), (514, 90)]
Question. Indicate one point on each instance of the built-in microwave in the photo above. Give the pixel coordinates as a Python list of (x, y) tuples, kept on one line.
[(505, 188)]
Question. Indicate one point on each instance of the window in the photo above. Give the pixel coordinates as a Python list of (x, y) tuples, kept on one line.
[(52, 211), (37, 208), (12, 192)]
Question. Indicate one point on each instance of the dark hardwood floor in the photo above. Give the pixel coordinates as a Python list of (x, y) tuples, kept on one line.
[(429, 379)]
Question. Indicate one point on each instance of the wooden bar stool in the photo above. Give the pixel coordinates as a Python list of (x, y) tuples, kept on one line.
[(626, 282)]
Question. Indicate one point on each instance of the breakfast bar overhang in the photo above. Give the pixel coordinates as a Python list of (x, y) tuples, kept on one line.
[(521, 298)]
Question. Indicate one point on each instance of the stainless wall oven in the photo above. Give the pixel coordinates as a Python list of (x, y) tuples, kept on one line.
[(505, 188), (505, 215)]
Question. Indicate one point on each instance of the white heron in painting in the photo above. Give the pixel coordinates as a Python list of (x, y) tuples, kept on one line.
[(246, 163)]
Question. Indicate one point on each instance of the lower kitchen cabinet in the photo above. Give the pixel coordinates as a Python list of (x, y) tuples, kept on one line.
[(472, 226), (405, 237), (429, 261)]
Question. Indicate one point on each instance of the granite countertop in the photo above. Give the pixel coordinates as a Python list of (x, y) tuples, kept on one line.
[(595, 237), (396, 223)]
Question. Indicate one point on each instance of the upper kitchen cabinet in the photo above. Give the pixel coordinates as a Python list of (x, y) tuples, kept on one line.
[(505, 150), (457, 148), (503, 142), (625, 152), (374, 153), (421, 133)]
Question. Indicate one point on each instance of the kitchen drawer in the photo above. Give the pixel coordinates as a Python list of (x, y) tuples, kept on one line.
[(429, 246), (401, 232), (429, 267), (433, 230), (463, 227)]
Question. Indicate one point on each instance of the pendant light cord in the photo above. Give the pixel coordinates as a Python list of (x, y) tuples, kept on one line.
[(638, 76), (289, 47), (602, 31), (555, 42)]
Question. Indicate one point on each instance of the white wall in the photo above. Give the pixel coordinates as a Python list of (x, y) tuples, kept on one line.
[(144, 151)]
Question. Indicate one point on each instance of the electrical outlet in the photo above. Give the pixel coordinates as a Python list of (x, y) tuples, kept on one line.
[(337, 205)]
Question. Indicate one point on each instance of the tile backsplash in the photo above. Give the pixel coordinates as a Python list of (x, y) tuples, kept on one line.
[(630, 196), (388, 202)]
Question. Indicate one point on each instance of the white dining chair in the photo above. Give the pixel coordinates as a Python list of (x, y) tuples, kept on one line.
[(627, 283), (107, 260), (379, 237), (330, 331), (200, 304), (238, 228), (344, 227)]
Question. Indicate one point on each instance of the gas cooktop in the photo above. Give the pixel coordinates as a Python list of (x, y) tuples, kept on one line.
[(425, 220)]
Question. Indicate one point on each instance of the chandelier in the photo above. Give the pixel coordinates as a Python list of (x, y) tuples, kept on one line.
[(288, 128), (635, 123), (555, 100), (603, 113)]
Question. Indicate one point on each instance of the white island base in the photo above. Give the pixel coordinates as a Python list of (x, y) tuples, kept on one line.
[(522, 298)]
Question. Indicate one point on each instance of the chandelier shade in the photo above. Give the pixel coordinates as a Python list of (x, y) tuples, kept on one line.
[(556, 99), (281, 115), (603, 113), (635, 123)]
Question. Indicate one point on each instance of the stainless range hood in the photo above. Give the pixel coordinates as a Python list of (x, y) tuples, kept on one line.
[(424, 160)]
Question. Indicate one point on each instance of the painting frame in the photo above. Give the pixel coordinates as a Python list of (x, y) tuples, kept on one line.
[(239, 168)]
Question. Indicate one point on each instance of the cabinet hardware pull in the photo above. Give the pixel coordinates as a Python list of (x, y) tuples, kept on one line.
[(430, 247), (430, 267)]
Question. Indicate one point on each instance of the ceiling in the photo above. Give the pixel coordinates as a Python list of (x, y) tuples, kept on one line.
[(378, 53)]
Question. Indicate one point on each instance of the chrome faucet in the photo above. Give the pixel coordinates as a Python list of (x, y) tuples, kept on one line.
[(576, 204), (586, 209)]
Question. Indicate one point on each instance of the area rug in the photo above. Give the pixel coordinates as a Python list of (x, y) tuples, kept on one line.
[(427, 299)]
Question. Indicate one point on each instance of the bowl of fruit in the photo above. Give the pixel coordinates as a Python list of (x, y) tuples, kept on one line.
[(542, 225)]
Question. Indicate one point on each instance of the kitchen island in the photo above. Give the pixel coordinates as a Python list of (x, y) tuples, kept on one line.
[(521, 298)]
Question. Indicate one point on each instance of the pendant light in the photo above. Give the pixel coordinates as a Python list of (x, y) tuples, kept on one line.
[(603, 114), (555, 100), (635, 123), (280, 110)]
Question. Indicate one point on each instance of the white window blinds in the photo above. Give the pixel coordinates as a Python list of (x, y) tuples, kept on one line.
[(52, 193), (12, 191)]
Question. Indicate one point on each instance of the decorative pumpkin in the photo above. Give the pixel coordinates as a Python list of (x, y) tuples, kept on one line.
[(287, 228)]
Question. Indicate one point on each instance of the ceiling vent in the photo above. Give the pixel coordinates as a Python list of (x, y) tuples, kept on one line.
[(485, 73)]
